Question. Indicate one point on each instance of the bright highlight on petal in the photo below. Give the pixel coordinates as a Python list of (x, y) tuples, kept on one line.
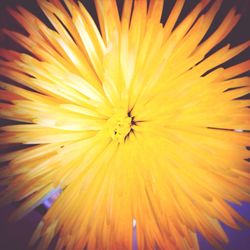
[(138, 125)]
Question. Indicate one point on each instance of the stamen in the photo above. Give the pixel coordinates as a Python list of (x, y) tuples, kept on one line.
[(119, 126)]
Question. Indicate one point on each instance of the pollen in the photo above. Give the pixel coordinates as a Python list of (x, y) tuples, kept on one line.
[(119, 126)]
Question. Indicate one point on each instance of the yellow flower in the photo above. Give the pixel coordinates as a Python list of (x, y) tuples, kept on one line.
[(131, 124)]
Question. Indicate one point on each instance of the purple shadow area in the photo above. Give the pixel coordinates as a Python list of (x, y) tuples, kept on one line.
[(238, 239), (134, 240), (16, 236), (52, 196)]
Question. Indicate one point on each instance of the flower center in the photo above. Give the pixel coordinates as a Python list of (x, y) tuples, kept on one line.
[(119, 126)]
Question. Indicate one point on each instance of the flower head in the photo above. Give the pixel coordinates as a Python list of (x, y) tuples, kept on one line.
[(134, 123)]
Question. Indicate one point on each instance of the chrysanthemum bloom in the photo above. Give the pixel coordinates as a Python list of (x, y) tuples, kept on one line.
[(132, 123)]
